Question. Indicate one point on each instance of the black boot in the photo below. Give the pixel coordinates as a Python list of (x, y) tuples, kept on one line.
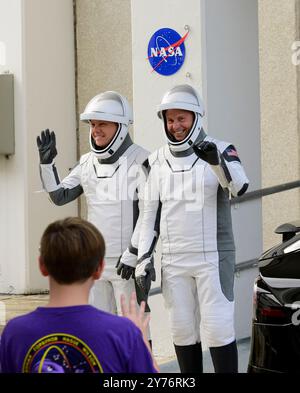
[(189, 358), (225, 358)]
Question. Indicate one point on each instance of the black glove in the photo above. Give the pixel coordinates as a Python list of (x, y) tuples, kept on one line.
[(46, 144), (208, 152), (143, 284), (125, 271)]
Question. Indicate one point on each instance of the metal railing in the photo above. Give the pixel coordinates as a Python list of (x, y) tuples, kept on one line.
[(249, 196)]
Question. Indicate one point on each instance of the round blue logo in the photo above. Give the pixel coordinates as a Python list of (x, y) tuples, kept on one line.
[(166, 51)]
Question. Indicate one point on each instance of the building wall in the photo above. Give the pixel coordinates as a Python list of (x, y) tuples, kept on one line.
[(232, 78), (271, 90), (110, 42), (104, 56), (279, 94), (38, 36), (148, 89), (12, 222)]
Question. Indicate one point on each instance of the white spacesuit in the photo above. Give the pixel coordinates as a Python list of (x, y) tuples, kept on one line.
[(112, 178), (187, 204)]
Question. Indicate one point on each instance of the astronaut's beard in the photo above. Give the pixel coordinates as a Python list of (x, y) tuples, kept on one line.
[(99, 148), (172, 138)]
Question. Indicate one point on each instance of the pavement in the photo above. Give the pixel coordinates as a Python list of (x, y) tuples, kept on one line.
[(243, 345), (14, 305), (163, 350)]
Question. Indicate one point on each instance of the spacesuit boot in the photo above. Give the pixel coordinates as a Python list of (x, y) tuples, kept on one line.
[(189, 358), (225, 358)]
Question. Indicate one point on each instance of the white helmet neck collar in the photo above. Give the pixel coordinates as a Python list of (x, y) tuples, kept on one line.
[(109, 106), (187, 98), (109, 150), (122, 149), (185, 144), (190, 150)]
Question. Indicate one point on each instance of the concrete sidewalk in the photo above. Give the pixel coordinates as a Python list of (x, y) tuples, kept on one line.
[(14, 305), (243, 351)]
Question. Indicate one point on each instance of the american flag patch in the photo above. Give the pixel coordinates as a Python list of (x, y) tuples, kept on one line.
[(230, 154)]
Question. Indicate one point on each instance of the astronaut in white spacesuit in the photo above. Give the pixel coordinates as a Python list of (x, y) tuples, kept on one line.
[(187, 203), (112, 177)]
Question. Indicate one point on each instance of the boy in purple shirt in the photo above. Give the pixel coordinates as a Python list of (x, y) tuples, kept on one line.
[(69, 335)]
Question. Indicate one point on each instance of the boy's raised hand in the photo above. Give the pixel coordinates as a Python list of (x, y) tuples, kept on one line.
[(136, 314)]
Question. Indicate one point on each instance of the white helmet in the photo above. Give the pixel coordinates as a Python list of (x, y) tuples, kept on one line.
[(187, 98), (109, 106)]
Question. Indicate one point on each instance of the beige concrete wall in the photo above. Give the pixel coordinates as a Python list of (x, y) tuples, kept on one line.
[(38, 35), (279, 112), (104, 59), (49, 76), (298, 57)]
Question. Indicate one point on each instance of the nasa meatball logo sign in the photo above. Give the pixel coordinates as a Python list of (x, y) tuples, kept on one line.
[(166, 51)]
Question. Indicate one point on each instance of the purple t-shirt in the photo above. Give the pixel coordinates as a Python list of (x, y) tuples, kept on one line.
[(76, 339)]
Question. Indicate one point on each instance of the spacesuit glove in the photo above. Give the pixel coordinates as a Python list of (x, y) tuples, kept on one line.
[(208, 152), (46, 144), (123, 270), (145, 273)]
